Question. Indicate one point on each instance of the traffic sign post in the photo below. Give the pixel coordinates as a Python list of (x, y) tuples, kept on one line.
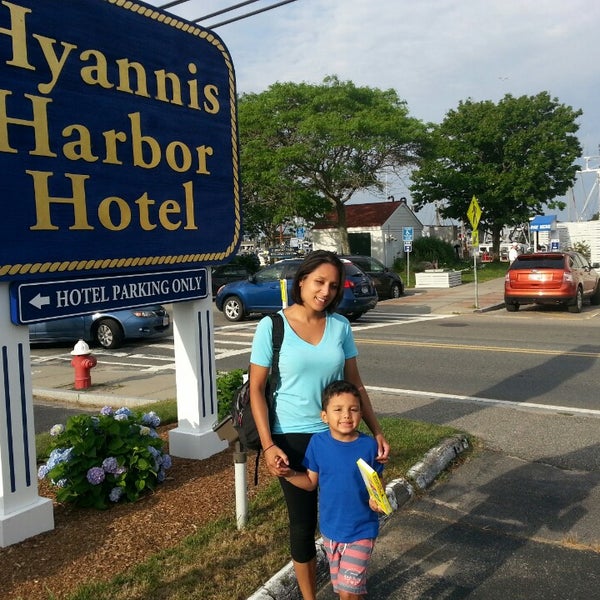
[(408, 250), (474, 215)]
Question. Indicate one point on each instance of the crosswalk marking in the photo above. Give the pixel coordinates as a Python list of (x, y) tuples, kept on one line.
[(229, 341)]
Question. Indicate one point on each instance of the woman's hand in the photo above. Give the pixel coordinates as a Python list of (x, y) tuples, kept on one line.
[(383, 448), (277, 461)]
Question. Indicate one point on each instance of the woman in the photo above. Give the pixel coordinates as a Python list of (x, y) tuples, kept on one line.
[(318, 348)]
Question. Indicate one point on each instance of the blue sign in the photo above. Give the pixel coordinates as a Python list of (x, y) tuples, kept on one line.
[(407, 234), (44, 301), (118, 141)]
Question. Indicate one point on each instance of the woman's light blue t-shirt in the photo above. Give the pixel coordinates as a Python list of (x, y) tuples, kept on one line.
[(305, 370)]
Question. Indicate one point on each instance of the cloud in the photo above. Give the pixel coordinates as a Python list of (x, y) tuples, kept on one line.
[(434, 53)]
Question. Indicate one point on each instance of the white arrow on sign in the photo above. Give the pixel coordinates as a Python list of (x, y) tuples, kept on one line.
[(39, 300)]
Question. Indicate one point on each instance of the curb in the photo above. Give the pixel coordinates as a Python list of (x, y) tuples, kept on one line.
[(89, 398), (490, 308), (283, 586)]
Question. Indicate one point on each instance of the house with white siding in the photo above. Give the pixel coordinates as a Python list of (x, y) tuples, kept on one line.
[(374, 229)]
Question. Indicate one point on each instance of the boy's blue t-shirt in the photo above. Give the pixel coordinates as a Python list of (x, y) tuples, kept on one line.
[(344, 512), (305, 370)]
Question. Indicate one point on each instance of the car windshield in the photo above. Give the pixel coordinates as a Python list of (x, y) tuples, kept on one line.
[(548, 261)]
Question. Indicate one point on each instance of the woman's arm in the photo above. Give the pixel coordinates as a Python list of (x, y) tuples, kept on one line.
[(368, 414), (276, 459)]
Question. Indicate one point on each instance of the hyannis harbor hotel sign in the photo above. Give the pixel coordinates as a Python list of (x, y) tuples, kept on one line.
[(118, 142), (119, 187)]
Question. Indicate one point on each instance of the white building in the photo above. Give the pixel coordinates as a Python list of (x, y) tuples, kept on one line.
[(374, 229)]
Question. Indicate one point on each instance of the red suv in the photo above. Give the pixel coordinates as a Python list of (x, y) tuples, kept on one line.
[(551, 278)]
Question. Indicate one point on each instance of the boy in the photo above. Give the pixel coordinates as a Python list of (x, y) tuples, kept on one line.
[(348, 521)]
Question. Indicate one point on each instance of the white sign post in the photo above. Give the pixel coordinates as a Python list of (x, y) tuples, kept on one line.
[(196, 381), (23, 513)]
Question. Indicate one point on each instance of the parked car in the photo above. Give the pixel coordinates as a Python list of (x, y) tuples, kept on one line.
[(565, 278), (261, 293), (388, 283), (227, 273), (108, 329)]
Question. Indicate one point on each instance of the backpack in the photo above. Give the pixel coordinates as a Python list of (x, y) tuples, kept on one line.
[(241, 413)]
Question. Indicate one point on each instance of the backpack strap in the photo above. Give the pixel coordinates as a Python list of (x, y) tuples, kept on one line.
[(277, 340)]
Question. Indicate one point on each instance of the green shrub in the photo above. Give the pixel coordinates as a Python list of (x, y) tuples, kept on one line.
[(227, 384), (98, 460), (583, 248), (426, 253)]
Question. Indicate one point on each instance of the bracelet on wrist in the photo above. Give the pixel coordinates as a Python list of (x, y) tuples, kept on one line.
[(269, 447)]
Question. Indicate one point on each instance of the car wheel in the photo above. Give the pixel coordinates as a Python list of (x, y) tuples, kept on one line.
[(578, 304), (512, 306), (233, 309), (595, 298), (396, 291), (109, 334)]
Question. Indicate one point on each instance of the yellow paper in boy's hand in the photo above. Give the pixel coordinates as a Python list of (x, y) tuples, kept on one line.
[(374, 486)]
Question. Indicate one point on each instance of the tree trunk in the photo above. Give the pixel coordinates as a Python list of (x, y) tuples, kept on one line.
[(343, 242)]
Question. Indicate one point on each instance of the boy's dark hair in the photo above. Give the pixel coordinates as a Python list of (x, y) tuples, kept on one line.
[(335, 388), (313, 261)]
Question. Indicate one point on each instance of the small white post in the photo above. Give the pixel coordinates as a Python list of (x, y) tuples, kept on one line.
[(241, 487)]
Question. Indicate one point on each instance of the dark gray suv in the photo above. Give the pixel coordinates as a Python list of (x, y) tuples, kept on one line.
[(388, 283)]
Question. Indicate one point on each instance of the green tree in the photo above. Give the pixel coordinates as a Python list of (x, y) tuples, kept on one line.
[(306, 149), (516, 157)]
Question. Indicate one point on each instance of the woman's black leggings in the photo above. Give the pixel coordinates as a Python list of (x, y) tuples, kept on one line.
[(301, 505)]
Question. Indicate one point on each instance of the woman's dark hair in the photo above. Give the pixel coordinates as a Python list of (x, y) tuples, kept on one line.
[(313, 261), (335, 388)]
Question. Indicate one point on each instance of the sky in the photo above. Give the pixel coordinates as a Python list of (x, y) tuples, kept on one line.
[(434, 53)]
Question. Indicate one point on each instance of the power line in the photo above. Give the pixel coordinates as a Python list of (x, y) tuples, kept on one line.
[(228, 9), (250, 14), (224, 10)]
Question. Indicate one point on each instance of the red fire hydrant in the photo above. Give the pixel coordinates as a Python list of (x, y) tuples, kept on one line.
[(82, 362)]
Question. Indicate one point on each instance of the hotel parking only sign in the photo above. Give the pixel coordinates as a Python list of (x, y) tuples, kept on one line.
[(118, 141)]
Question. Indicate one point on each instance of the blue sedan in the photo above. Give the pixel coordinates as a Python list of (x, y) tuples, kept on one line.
[(108, 329), (261, 292)]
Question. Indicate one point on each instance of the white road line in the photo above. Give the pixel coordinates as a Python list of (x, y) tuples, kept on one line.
[(475, 399)]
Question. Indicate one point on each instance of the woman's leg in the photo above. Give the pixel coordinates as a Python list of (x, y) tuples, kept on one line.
[(306, 574), (302, 513)]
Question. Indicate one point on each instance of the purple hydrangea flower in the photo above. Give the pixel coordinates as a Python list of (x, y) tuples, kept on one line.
[(95, 475), (121, 417), (161, 476), (123, 411), (110, 465), (167, 463), (107, 411), (115, 494), (43, 471), (59, 455), (61, 483), (155, 453), (56, 429), (151, 419)]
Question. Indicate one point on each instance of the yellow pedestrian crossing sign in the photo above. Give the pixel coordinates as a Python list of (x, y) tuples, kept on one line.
[(474, 213)]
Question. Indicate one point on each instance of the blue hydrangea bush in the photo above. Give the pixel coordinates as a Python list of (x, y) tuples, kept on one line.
[(96, 461)]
